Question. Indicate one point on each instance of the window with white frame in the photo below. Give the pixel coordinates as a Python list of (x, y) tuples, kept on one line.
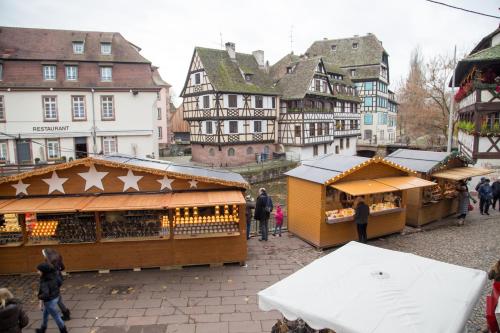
[(106, 73), (49, 72), (2, 109), (105, 48), (158, 110), (160, 132), (257, 126), (50, 108), (109, 145), (107, 108), (53, 149), (78, 47), (78, 107), (3, 151), (72, 73)]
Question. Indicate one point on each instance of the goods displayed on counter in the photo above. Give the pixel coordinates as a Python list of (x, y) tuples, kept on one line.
[(76, 228), (450, 190), (438, 192), (43, 230), (347, 214), (382, 206), (10, 230), (132, 224), (189, 224), (338, 213)]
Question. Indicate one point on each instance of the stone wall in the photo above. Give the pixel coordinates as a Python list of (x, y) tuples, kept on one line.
[(243, 154)]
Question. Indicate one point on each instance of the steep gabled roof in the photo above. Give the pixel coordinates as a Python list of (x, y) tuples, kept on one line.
[(51, 44), (296, 84), (227, 75), (368, 52), (157, 79)]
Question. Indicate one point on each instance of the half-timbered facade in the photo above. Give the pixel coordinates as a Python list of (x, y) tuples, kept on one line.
[(231, 105), (318, 108), (367, 63), (478, 99)]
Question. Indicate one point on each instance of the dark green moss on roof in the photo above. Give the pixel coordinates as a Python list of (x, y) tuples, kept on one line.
[(491, 53), (227, 75)]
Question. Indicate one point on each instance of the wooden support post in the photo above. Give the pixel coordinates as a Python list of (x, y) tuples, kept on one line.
[(98, 231), (21, 219), (171, 223)]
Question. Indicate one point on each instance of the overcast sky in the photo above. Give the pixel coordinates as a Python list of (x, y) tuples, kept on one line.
[(167, 31)]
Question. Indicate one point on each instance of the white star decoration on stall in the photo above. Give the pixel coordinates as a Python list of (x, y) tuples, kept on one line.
[(165, 183), (55, 183), (130, 181), (21, 187), (193, 183), (93, 178)]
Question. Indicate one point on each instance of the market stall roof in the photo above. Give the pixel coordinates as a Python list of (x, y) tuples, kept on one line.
[(128, 202), (210, 198), (45, 205), (418, 160), (391, 291), (462, 173), (381, 185), (159, 167), (5, 202)]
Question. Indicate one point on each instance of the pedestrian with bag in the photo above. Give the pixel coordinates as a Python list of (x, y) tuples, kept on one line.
[(263, 209), (55, 259), (12, 316), (464, 199), (278, 217), (496, 193), (485, 197), (362, 211), (250, 204), (48, 294)]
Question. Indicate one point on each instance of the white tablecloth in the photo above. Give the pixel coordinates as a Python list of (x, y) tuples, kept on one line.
[(360, 288)]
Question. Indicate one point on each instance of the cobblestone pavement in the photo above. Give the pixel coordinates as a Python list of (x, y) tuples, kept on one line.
[(223, 299)]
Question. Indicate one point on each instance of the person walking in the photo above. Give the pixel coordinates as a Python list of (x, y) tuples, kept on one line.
[(485, 196), (55, 259), (250, 204), (12, 316), (464, 199), (278, 217), (495, 187), (362, 211), (48, 294), (481, 182), (263, 209)]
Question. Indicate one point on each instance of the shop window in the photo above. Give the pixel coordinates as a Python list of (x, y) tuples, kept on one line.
[(109, 145), (249, 151), (53, 149), (315, 150), (231, 152), (211, 152)]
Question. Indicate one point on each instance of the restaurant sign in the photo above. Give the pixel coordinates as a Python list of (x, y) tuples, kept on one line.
[(51, 128)]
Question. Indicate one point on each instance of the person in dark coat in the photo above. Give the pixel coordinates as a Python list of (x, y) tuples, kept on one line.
[(55, 259), (12, 316), (48, 294), (250, 205), (263, 209), (485, 196), (362, 211), (495, 187)]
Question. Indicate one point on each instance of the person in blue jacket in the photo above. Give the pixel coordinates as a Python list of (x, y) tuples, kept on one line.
[(485, 196)]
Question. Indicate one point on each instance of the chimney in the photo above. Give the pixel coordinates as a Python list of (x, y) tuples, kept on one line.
[(259, 57), (231, 50)]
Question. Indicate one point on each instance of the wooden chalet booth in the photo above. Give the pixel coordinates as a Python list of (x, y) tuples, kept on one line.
[(121, 212), (429, 204), (321, 194)]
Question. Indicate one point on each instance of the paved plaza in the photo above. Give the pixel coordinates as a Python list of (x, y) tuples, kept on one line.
[(223, 299)]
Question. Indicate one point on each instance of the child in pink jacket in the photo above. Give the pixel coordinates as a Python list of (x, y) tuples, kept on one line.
[(278, 216)]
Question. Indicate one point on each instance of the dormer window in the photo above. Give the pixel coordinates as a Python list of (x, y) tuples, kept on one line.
[(248, 76), (353, 72), (334, 48), (289, 70), (78, 47), (354, 45), (105, 48)]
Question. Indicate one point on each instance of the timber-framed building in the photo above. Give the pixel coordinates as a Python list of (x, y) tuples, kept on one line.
[(231, 105)]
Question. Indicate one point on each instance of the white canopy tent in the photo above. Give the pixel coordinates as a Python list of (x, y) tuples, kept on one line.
[(361, 288)]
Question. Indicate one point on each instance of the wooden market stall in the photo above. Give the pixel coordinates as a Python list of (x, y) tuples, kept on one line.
[(119, 212), (321, 194), (425, 205)]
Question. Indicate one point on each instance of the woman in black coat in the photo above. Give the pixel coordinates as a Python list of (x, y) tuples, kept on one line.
[(263, 208), (48, 294), (12, 316), (55, 259)]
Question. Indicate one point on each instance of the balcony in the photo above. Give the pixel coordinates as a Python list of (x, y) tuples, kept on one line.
[(468, 94), (347, 132)]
